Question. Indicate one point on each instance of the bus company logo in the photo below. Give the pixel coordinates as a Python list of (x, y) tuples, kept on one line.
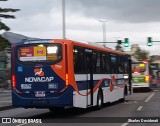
[(39, 51), (38, 72)]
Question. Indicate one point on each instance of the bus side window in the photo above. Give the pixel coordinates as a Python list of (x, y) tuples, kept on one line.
[(79, 61), (113, 64), (126, 67), (108, 68), (94, 61), (120, 65), (103, 63), (98, 63)]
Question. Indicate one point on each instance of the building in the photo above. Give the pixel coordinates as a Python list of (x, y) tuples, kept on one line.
[(155, 59)]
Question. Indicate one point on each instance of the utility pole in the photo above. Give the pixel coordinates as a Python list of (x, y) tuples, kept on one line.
[(63, 20), (104, 30)]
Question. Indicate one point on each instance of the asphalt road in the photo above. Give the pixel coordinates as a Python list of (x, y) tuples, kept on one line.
[(136, 106), (5, 98)]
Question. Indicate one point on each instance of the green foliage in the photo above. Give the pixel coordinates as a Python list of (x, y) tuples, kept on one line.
[(4, 27), (141, 55), (3, 42)]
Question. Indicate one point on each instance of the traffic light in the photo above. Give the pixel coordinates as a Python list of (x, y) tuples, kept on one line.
[(150, 43), (119, 41), (126, 42)]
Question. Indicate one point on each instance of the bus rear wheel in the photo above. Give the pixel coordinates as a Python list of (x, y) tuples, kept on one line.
[(99, 100), (124, 93)]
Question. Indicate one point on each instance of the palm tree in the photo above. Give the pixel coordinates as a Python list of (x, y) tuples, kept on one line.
[(3, 42)]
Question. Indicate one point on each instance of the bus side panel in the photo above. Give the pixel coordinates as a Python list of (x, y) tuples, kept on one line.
[(80, 98), (109, 94)]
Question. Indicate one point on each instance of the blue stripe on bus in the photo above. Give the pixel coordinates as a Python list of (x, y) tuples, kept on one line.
[(84, 85)]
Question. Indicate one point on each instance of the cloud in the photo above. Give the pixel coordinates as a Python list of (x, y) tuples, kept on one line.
[(32, 7), (134, 19), (118, 10)]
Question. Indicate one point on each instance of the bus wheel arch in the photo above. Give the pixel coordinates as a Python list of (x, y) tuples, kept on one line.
[(124, 94), (125, 90), (99, 99)]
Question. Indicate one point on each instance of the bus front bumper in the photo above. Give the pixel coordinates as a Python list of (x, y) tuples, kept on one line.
[(140, 85)]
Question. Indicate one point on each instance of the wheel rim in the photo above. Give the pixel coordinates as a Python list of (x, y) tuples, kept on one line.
[(99, 101)]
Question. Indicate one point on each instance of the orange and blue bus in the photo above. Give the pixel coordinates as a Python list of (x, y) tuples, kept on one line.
[(60, 73)]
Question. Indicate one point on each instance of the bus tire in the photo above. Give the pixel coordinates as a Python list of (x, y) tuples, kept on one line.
[(56, 109), (99, 100)]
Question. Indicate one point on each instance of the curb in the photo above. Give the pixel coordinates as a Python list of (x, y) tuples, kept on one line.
[(6, 108)]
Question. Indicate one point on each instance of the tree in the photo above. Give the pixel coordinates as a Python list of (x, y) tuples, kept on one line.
[(3, 42), (141, 55)]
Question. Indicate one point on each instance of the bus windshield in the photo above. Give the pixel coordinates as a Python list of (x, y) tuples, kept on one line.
[(138, 67), (40, 53)]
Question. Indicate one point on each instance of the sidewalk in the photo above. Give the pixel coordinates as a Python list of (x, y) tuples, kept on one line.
[(5, 99)]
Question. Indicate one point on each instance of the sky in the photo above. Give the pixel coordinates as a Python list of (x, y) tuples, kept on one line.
[(133, 19)]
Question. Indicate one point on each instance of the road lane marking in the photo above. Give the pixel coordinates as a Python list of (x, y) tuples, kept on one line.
[(135, 102), (151, 95), (155, 90), (21, 124), (124, 124), (139, 108)]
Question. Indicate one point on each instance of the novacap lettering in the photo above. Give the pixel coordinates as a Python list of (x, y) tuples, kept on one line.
[(39, 79)]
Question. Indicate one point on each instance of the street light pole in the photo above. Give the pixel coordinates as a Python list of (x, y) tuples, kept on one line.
[(63, 20), (104, 30)]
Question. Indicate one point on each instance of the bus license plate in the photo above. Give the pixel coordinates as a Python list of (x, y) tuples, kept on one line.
[(40, 94)]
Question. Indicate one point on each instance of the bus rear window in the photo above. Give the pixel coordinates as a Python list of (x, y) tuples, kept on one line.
[(40, 53)]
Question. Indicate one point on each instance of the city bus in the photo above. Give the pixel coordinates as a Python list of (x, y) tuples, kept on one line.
[(140, 75), (154, 69), (61, 73)]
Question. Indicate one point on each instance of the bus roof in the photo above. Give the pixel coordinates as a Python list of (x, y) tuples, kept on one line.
[(97, 47), (67, 41)]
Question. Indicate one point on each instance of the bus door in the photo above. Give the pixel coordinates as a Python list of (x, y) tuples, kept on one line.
[(89, 75)]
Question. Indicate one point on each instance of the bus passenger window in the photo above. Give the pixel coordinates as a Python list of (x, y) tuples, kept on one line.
[(120, 65), (98, 63), (79, 62), (103, 62), (108, 68), (94, 62), (113, 64)]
